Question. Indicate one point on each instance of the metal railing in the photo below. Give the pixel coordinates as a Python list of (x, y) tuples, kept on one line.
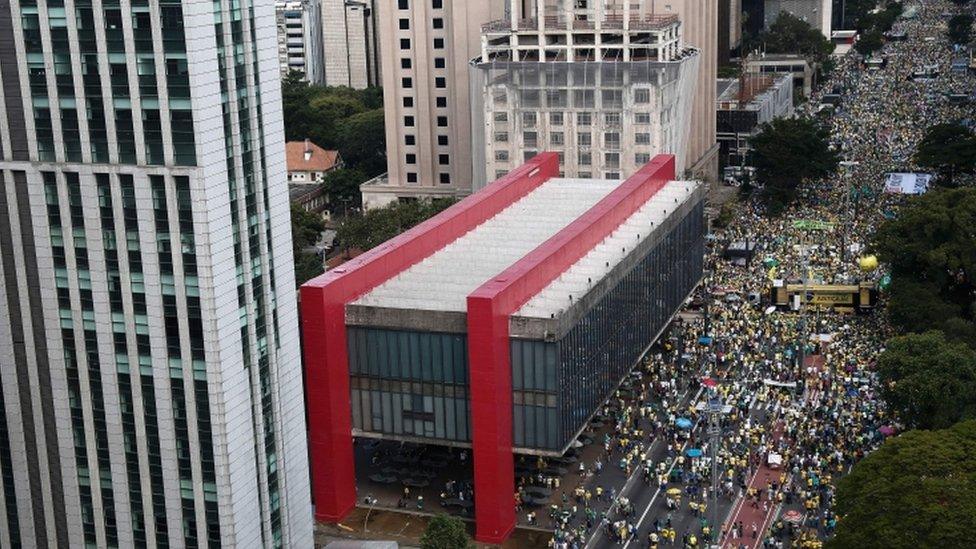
[(611, 22)]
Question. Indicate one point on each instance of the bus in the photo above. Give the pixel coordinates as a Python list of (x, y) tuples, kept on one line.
[(840, 298)]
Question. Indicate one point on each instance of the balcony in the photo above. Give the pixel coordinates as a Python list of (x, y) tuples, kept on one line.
[(611, 22)]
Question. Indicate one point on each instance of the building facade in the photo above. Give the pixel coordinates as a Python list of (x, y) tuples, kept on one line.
[(506, 352), (351, 48), (300, 39), (151, 390), (744, 105), (424, 54), (607, 94)]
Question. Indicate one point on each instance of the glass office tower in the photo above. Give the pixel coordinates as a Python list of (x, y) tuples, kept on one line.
[(150, 387)]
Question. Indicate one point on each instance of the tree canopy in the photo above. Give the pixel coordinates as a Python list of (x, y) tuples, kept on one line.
[(931, 251), (381, 224), (790, 34), (948, 148), (445, 532), (305, 230), (787, 151), (917, 490), (338, 118), (342, 188), (960, 28), (928, 381)]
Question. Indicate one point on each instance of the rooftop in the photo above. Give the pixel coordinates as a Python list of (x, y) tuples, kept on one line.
[(305, 156)]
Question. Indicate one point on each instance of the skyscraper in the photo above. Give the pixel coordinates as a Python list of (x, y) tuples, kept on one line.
[(425, 48), (349, 34), (150, 385), (300, 39)]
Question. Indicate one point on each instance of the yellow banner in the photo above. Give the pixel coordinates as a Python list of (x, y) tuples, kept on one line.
[(832, 299)]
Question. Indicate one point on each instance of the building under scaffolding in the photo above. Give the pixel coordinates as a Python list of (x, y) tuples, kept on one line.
[(605, 87)]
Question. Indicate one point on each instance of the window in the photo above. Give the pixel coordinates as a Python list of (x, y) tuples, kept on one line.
[(642, 95), (438, 23), (530, 139), (442, 121), (584, 139), (585, 175), (556, 118), (407, 82), (437, 4), (442, 140), (443, 159), (611, 118), (501, 117), (556, 138), (585, 159), (584, 119), (501, 137), (408, 121), (439, 63), (403, 4), (611, 139), (445, 178), (409, 140), (411, 177), (408, 102), (404, 43), (500, 173), (529, 155), (405, 63), (411, 158), (642, 158), (440, 82), (404, 24), (642, 138), (642, 118), (441, 102), (612, 175), (528, 119), (501, 156), (612, 160), (438, 43)]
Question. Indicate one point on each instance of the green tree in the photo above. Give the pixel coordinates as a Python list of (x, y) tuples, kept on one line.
[(445, 532), (376, 226), (787, 151), (869, 42), (960, 28), (306, 228), (948, 148), (917, 490), (928, 381), (931, 251), (342, 187), (790, 34), (362, 142)]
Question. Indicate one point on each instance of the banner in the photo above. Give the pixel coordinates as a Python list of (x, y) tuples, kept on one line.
[(907, 183), (813, 225)]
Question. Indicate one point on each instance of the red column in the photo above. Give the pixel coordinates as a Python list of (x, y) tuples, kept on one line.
[(329, 413), (491, 420)]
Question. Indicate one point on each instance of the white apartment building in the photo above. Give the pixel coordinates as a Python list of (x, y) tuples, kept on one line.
[(300, 38), (604, 87), (350, 43), (816, 12), (151, 385), (425, 47)]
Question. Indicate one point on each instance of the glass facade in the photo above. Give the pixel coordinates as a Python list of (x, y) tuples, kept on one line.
[(409, 383), (415, 384)]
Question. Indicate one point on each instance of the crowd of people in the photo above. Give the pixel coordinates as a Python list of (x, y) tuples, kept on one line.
[(799, 385)]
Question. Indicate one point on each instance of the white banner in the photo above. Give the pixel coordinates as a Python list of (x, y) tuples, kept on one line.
[(907, 183)]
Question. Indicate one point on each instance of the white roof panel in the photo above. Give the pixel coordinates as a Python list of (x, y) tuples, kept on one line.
[(442, 281), (606, 255)]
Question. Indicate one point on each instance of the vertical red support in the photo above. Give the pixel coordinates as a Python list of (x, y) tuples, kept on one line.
[(323, 305), (489, 355)]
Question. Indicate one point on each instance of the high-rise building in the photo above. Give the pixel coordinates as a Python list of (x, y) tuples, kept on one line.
[(151, 387), (604, 87), (300, 38), (425, 48), (349, 28)]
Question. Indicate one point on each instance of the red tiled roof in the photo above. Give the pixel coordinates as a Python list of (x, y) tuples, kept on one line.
[(320, 160)]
